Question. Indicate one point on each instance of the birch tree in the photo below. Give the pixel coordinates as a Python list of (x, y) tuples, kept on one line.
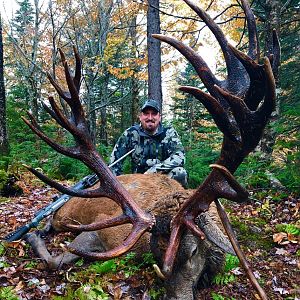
[(4, 149)]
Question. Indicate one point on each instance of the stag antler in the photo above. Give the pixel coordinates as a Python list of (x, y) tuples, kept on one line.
[(240, 106), (85, 151)]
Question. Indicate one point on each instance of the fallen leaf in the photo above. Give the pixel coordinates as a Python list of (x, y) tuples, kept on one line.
[(281, 251), (117, 293), (19, 286), (21, 252), (236, 271), (278, 237), (281, 291)]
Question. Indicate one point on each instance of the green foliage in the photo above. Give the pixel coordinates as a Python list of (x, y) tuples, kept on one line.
[(90, 292), (2, 249), (4, 163), (92, 283), (24, 17), (8, 293), (231, 262), (31, 265), (27, 148), (3, 263), (85, 292), (252, 171), (220, 297), (156, 294), (127, 264), (198, 160), (288, 228), (103, 267), (223, 279), (3, 179)]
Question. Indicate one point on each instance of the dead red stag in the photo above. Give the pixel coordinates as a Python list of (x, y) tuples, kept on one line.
[(240, 106)]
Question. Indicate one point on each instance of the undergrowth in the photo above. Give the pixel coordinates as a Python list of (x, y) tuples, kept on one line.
[(231, 262)]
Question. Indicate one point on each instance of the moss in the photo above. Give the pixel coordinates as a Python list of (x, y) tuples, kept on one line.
[(259, 222), (4, 199), (246, 235), (3, 178)]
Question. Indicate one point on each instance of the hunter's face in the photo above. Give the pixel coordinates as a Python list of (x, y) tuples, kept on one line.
[(150, 119)]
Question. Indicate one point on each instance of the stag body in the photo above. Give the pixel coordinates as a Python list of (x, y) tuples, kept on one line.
[(198, 260)]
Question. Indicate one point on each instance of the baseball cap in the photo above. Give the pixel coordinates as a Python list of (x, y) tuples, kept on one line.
[(151, 103)]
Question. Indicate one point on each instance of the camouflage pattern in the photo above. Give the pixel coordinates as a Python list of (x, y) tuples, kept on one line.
[(162, 152)]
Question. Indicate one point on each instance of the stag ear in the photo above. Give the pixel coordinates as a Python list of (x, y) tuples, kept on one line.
[(213, 233)]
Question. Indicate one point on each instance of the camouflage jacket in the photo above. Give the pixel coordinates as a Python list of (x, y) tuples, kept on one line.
[(160, 152)]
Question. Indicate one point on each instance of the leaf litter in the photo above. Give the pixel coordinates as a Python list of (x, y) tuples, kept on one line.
[(276, 265)]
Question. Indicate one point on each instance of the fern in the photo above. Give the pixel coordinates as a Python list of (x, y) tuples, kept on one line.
[(104, 267), (8, 293), (220, 297), (223, 278), (289, 228), (231, 262)]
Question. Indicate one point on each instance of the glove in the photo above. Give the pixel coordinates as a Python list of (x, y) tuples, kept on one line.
[(152, 162), (151, 170)]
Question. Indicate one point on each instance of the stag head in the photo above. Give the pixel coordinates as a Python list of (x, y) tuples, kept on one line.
[(240, 106)]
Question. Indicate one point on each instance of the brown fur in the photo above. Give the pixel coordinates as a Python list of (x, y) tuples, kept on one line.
[(148, 190)]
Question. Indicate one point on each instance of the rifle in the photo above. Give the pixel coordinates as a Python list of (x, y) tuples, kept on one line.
[(86, 182)]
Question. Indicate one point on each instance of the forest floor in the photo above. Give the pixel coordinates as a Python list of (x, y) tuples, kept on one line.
[(267, 229)]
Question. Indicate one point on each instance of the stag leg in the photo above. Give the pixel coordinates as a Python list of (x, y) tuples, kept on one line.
[(86, 240)]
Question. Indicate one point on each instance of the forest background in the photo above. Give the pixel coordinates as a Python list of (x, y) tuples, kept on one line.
[(111, 37)]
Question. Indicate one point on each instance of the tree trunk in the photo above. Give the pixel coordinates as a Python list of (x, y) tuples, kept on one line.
[(273, 12), (154, 55), (133, 80), (4, 149)]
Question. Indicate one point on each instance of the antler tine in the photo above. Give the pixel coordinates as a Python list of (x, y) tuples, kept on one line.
[(215, 29), (100, 192), (255, 71), (57, 115), (269, 103), (202, 69), (239, 109), (74, 104), (120, 220), (219, 114), (232, 64), (242, 193), (253, 51), (61, 149), (52, 113), (77, 77), (171, 252), (137, 231)]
